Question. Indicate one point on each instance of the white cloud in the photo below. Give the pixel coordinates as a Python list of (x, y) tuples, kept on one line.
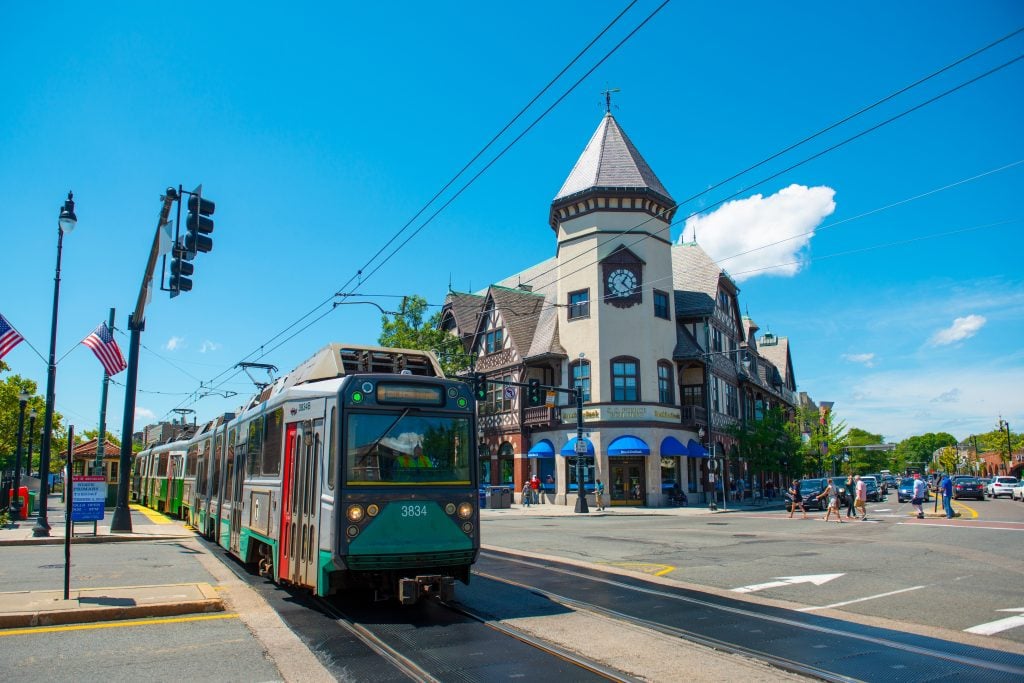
[(175, 343), (747, 236), (142, 413), (208, 346), (962, 328), (951, 396), (867, 359)]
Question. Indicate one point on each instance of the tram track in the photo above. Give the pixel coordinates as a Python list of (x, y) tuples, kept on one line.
[(815, 646)]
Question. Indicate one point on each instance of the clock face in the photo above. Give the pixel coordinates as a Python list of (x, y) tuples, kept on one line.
[(621, 282)]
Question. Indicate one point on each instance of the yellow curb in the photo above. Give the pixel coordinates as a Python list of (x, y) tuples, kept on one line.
[(958, 504)]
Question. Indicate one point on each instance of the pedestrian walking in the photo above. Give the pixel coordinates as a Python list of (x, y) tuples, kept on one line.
[(947, 495), (527, 494), (851, 499), (861, 501), (796, 499), (535, 488), (599, 494), (917, 495), (832, 496)]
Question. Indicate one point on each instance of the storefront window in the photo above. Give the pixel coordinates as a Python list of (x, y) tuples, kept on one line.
[(588, 473), (506, 458)]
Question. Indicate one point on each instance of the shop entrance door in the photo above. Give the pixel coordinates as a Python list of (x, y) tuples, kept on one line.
[(627, 485)]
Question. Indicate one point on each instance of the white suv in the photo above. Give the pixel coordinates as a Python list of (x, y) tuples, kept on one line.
[(1002, 486)]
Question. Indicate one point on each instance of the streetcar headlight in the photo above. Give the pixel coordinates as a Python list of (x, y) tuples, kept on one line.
[(372, 509), (354, 513), (449, 509), (465, 510), (467, 527), (352, 531)]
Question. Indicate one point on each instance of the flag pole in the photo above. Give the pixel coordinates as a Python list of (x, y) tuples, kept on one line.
[(101, 438)]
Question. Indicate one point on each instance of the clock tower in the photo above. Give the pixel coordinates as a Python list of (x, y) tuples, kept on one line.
[(612, 219)]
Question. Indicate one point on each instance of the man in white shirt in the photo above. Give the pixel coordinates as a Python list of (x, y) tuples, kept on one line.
[(920, 489), (862, 497)]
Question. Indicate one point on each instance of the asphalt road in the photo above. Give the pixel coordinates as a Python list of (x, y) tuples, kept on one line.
[(951, 575)]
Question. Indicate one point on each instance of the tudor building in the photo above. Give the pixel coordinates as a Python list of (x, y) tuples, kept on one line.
[(649, 330)]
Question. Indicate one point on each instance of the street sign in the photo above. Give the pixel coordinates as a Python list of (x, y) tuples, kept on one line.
[(509, 392), (551, 399), (581, 447), (712, 465), (90, 495)]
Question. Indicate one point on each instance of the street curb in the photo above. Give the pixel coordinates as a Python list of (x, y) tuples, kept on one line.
[(209, 603), (59, 540)]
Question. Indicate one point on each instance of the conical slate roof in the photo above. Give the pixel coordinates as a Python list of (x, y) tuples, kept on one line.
[(611, 161)]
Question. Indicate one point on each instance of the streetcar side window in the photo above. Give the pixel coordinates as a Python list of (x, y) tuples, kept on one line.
[(332, 449), (255, 447), (272, 436), (217, 450), (191, 459)]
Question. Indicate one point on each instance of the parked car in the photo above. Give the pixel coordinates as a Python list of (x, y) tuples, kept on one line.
[(1002, 486), (1018, 492), (968, 487), (906, 491), (889, 482), (810, 489)]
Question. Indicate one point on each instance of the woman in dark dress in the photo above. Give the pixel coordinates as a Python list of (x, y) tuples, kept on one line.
[(794, 494)]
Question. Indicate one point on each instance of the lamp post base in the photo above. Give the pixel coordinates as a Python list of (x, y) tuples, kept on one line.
[(41, 529), (122, 520), (581, 505)]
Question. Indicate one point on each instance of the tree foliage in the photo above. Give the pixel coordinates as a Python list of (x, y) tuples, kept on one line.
[(771, 444), (11, 386), (916, 452), (409, 329), (862, 460)]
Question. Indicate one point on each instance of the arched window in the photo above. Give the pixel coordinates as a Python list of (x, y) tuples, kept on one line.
[(580, 372), (666, 392), (506, 456), (625, 380)]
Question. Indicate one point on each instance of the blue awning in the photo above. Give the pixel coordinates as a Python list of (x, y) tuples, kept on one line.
[(696, 450), (672, 446), (569, 449), (628, 445), (542, 449)]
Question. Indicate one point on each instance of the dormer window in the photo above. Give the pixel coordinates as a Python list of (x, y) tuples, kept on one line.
[(491, 342)]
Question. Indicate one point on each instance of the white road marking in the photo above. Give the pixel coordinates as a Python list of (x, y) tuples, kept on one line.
[(870, 597), (993, 627), (962, 526), (816, 579)]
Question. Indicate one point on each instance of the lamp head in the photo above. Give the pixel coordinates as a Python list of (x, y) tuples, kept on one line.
[(67, 219), (32, 414), (23, 396)]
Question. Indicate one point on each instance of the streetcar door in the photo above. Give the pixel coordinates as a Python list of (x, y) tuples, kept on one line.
[(292, 436), (236, 496), (309, 552)]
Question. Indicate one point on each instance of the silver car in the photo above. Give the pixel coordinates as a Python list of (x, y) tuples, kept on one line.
[(1002, 486)]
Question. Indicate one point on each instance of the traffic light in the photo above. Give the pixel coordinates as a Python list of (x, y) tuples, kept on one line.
[(181, 269), (533, 393), (480, 386), (199, 224)]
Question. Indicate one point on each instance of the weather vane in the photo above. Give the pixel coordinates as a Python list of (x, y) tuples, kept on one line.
[(607, 92)]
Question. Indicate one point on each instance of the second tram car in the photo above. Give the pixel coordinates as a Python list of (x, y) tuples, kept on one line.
[(357, 470)]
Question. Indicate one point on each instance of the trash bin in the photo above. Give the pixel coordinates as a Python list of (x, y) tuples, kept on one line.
[(25, 502), (499, 497), (31, 501), (483, 499)]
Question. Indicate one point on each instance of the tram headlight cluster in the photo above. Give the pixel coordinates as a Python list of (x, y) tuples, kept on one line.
[(465, 510), (355, 513)]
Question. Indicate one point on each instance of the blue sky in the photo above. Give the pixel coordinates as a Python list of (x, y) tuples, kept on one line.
[(321, 131)]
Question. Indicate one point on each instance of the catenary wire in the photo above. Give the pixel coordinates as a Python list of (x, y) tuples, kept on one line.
[(263, 351)]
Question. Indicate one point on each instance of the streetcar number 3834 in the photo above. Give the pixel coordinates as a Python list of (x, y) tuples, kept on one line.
[(414, 510)]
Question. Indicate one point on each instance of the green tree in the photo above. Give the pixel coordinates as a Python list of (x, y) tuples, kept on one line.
[(11, 386), (409, 329), (916, 452), (768, 444), (862, 460)]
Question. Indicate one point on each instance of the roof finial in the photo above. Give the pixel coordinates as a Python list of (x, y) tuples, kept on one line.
[(607, 92)]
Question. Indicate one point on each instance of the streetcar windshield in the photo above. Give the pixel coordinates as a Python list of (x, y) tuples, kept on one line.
[(405, 447)]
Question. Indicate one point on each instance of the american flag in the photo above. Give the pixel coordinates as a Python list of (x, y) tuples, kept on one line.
[(102, 343), (9, 337)]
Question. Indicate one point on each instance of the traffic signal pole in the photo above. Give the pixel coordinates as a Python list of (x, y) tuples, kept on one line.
[(122, 518), (479, 382)]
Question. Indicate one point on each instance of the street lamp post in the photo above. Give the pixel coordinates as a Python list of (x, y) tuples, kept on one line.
[(16, 505), (581, 451), (66, 222), (31, 430), (1003, 424)]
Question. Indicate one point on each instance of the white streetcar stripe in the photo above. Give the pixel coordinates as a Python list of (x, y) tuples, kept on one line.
[(850, 602)]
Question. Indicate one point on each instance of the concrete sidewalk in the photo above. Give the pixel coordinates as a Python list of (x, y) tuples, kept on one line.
[(21, 609)]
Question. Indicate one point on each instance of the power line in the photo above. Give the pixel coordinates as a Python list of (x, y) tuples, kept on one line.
[(263, 351)]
